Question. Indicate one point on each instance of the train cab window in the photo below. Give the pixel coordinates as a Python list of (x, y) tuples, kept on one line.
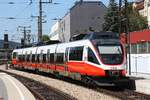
[(91, 56), (76, 53), (60, 58), (52, 58)]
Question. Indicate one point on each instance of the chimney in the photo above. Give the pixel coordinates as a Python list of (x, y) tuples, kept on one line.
[(6, 43)]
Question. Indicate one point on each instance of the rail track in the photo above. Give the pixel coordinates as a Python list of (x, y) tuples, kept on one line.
[(41, 91), (118, 92), (121, 93)]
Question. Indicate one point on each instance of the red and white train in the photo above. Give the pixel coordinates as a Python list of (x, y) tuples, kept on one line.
[(99, 59)]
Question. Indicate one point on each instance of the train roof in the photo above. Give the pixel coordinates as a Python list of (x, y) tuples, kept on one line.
[(44, 49), (102, 35)]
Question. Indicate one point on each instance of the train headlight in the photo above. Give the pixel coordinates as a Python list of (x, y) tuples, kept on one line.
[(123, 72)]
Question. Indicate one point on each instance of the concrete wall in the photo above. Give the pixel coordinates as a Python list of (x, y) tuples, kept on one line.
[(55, 31), (80, 17), (85, 15), (64, 28)]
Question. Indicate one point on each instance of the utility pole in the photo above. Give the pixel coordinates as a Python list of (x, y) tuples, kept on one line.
[(120, 17), (40, 18), (25, 30), (128, 35)]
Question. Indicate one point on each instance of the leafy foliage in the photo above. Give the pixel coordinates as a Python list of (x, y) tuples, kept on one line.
[(45, 38), (111, 18), (136, 21)]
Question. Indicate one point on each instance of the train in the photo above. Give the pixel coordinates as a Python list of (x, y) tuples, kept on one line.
[(100, 60)]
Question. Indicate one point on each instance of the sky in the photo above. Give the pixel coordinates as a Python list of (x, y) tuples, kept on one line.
[(22, 10)]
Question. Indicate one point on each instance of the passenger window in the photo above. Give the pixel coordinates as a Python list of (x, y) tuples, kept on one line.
[(66, 54), (76, 53), (60, 58), (41, 56), (28, 57), (91, 57), (44, 58), (14, 55), (38, 58), (33, 57), (52, 58), (48, 56), (19, 57), (23, 57)]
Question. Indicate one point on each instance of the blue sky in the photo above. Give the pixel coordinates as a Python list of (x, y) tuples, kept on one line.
[(22, 11)]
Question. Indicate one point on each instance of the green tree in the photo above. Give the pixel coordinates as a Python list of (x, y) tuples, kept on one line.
[(111, 18), (136, 21), (45, 38)]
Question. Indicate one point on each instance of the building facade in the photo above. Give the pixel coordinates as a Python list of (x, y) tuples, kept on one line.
[(140, 53), (54, 31), (143, 7), (83, 17)]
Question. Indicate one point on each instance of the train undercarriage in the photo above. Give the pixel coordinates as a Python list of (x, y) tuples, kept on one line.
[(120, 82)]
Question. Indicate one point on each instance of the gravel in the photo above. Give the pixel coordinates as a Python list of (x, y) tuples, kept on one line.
[(79, 92)]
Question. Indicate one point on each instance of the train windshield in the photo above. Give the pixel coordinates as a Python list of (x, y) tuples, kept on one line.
[(111, 54), (109, 49)]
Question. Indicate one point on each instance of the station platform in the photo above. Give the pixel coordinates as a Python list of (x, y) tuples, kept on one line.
[(142, 84), (12, 89)]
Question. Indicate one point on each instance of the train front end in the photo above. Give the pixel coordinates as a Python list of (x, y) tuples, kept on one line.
[(112, 59)]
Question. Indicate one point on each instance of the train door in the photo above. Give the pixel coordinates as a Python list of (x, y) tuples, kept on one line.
[(66, 59), (85, 53)]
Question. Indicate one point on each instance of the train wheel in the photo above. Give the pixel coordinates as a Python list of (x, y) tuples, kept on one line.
[(88, 81)]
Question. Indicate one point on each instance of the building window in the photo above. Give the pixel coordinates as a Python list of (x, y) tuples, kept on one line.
[(91, 57), (133, 48), (76, 53), (143, 47), (148, 47)]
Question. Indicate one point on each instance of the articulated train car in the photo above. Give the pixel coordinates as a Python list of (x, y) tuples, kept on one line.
[(100, 60)]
